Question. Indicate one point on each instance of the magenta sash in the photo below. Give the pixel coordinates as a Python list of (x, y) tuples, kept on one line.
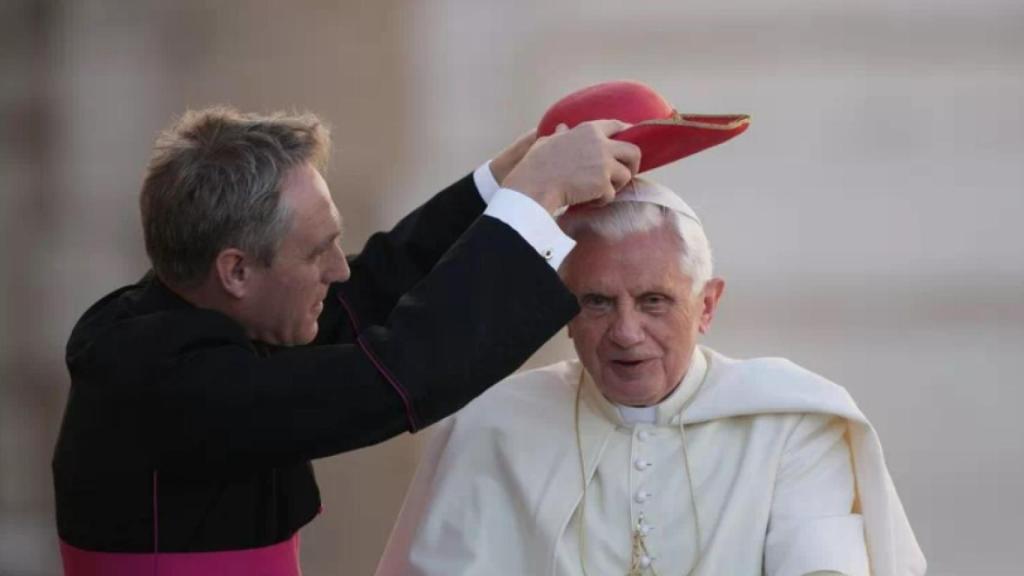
[(281, 559)]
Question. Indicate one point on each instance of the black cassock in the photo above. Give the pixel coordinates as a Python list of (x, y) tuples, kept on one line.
[(182, 435)]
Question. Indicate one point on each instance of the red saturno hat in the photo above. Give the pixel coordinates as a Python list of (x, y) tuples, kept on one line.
[(663, 134)]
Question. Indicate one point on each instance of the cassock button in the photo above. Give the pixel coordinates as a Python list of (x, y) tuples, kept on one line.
[(642, 497), (643, 435), (641, 464), (645, 561)]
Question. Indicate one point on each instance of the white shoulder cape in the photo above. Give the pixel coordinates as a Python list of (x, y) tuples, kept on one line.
[(500, 480)]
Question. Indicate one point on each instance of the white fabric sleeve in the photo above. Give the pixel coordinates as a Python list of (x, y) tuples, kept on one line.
[(395, 559), (813, 527), (456, 518), (486, 185), (533, 223)]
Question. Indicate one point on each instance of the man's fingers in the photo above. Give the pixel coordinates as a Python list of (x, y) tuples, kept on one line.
[(620, 176), (628, 154), (609, 127), (526, 140), (575, 165)]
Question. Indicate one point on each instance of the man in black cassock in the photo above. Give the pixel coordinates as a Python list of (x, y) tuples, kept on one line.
[(200, 393)]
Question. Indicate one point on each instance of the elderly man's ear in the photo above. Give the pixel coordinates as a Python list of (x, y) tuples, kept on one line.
[(710, 295)]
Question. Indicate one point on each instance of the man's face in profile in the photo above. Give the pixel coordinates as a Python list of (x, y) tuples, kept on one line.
[(639, 320), (288, 295)]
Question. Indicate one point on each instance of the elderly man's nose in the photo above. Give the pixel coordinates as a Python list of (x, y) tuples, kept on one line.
[(627, 329)]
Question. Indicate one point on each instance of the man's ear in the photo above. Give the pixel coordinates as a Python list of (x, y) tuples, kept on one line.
[(709, 302), (233, 271)]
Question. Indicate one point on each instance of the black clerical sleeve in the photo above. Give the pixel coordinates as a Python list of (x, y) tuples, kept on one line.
[(487, 305)]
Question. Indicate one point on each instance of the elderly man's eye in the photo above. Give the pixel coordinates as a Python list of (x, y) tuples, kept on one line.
[(655, 302), (595, 302)]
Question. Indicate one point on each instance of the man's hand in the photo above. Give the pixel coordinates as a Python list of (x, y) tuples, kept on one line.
[(508, 159), (575, 166)]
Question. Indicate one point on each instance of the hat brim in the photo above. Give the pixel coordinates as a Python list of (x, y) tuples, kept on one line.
[(668, 140)]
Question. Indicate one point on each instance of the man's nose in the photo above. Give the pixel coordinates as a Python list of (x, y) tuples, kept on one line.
[(627, 329), (338, 270)]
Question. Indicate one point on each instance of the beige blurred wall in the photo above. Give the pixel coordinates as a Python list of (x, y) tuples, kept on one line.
[(866, 224)]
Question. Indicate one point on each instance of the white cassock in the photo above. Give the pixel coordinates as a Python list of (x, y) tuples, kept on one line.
[(786, 473)]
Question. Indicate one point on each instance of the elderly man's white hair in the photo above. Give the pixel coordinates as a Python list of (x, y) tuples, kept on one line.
[(641, 206)]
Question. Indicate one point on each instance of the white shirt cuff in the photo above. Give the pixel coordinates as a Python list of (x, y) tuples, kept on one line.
[(532, 222), (486, 185)]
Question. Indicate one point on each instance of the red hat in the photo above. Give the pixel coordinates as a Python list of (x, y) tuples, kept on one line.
[(662, 134)]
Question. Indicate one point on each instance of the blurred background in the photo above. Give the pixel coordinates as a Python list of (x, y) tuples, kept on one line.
[(868, 223)]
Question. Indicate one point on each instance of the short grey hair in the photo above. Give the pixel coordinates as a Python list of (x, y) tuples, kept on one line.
[(214, 182), (618, 219)]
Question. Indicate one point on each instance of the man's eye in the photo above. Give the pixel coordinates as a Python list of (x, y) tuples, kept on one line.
[(655, 302), (318, 254), (595, 302)]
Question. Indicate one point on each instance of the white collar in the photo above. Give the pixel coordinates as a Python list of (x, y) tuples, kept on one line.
[(632, 415)]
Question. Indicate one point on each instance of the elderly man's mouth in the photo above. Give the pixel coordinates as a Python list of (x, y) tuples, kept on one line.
[(630, 363)]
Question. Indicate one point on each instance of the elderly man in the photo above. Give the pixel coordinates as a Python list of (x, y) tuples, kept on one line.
[(200, 393), (651, 454)]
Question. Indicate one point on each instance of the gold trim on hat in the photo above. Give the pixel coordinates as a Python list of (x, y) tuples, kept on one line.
[(678, 119)]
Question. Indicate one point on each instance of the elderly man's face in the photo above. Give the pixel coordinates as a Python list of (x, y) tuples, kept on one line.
[(639, 320)]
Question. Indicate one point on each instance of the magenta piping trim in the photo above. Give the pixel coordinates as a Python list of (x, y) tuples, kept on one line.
[(410, 414), (281, 559), (156, 525)]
